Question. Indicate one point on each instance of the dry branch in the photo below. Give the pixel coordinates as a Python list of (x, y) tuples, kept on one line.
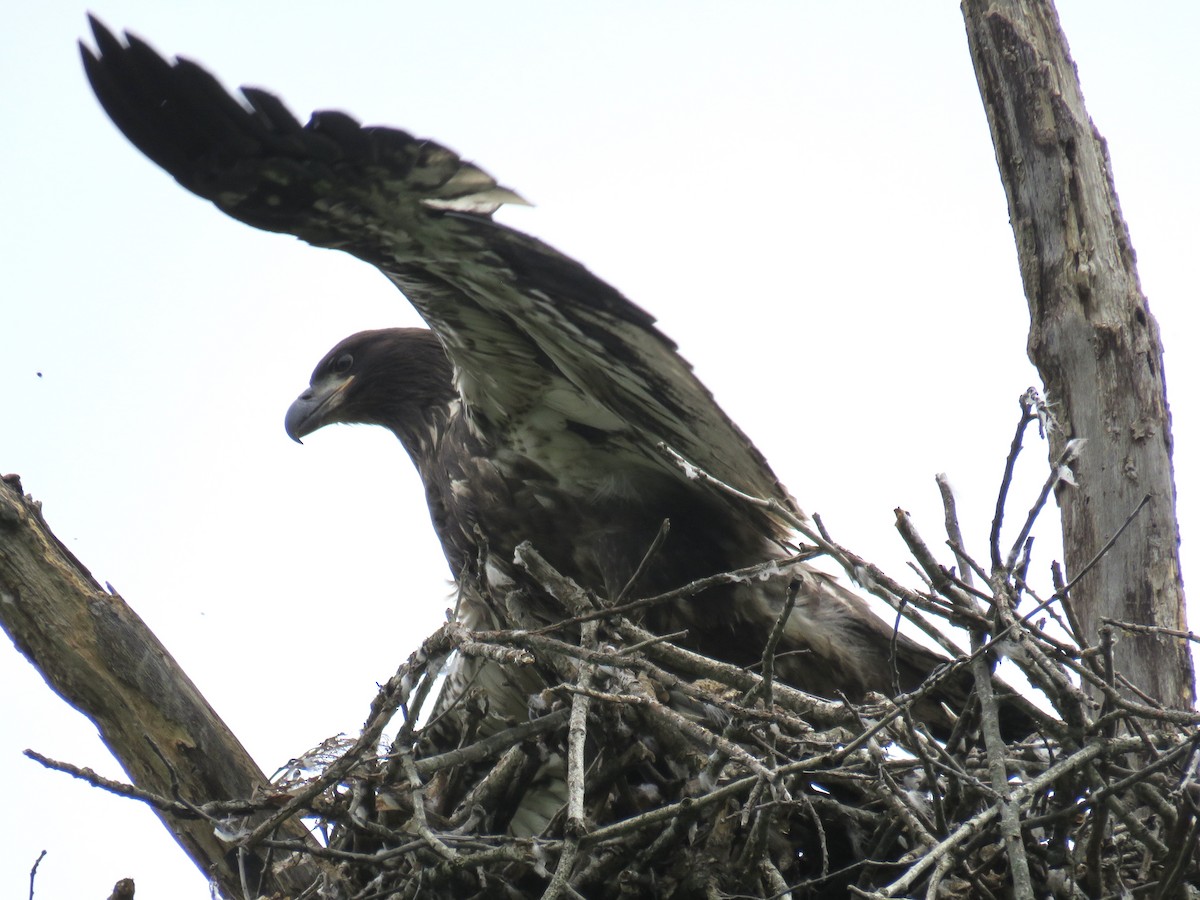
[(96, 654)]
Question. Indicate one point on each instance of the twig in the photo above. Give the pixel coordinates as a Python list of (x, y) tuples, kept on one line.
[(33, 871), (1075, 628), (1060, 473), (1027, 402), (940, 579), (814, 708), (1107, 546), (1137, 628), (420, 822), (747, 573), (174, 781), (576, 735), (953, 529), (939, 873), (694, 472), (965, 580), (774, 878), (511, 768), (121, 789), (633, 649), (655, 545), (564, 589), (892, 593), (491, 745), (768, 655), (1010, 817)]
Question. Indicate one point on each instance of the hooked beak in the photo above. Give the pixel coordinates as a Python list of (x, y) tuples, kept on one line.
[(315, 408)]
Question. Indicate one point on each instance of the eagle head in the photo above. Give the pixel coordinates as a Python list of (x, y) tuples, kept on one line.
[(399, 378)]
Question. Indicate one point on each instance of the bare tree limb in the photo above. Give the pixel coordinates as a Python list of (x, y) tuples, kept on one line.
[(33, 872), (99, 656)]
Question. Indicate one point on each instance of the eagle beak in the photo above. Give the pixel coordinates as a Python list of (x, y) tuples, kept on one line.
[(314, 409), (298, 415)]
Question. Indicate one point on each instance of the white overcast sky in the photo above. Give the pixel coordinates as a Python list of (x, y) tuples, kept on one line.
[(804, 193)]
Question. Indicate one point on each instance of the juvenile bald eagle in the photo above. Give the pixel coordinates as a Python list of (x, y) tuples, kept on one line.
[(537, 406)]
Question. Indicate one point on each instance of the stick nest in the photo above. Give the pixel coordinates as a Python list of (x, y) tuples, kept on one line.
[(648, 770)]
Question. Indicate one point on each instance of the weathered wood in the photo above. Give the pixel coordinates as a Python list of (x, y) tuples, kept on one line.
[(1092, 337), (100, 657)]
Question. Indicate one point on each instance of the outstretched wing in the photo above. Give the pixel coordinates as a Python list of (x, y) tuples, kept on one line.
[(537, 340)]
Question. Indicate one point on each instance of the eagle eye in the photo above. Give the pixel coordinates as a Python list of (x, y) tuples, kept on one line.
[(342, 364)]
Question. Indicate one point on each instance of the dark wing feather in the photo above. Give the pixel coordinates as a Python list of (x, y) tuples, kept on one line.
[(537, 340)]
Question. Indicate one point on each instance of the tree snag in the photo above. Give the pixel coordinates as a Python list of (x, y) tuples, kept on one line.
[(1092, 338), (98, 655)]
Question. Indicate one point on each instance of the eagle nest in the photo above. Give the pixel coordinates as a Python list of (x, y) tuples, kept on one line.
[(651, 770), (683, 777), (641, 768)]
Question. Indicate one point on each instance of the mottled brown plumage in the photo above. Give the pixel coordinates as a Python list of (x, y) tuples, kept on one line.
[(535, 408), (479, 484)]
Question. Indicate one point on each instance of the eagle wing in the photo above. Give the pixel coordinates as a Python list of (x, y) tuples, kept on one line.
[(539, 343)]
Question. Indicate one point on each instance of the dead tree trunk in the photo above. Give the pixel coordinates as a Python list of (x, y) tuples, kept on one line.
[(1092, 338), (99, 656)]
